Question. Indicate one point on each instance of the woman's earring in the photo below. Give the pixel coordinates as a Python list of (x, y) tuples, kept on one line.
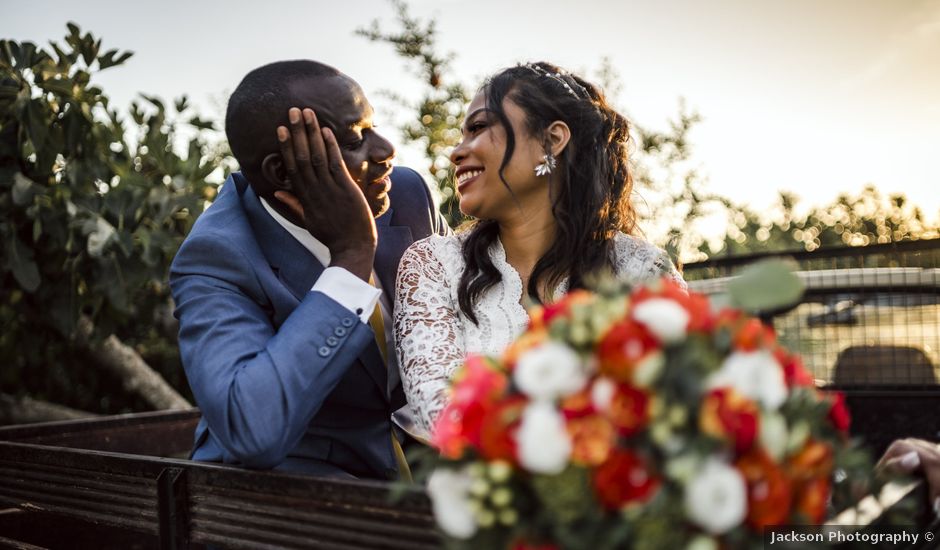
[(548, 164)]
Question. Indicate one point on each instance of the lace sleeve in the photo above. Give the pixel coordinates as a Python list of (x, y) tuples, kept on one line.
[(428, 331), (637, 260)]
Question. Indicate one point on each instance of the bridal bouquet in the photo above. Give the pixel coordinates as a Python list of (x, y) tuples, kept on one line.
[(644, 418)]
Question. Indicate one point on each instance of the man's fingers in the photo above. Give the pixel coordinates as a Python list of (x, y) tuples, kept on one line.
[(291, 201), (298, 135), (287, 153), (318, 155), (335, 158)]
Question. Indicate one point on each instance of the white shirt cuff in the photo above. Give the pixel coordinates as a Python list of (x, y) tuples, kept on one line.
[(349, 291)]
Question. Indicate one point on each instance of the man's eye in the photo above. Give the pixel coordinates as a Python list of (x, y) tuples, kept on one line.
[(353, 145)]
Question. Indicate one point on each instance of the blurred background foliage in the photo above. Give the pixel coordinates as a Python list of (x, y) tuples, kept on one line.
[(94, 204)]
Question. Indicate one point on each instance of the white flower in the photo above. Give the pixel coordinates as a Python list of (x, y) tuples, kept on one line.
[(543, 442), (773, 435), (449, 491), (602, 393), (665, 318), (755, 374), (716, 499), (549, 371), (648, 369)]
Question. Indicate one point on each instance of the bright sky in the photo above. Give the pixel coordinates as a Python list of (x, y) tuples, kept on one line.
[(814, 96)]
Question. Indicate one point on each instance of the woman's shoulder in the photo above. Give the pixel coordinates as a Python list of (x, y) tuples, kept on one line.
[(637, 258), (442, 249)]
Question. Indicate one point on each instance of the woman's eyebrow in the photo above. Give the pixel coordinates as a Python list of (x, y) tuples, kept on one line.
[(469, 117)]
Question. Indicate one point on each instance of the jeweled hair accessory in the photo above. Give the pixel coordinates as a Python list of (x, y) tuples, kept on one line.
[(559, 77), (548, 164)]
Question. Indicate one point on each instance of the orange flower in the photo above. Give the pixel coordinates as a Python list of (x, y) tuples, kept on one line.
[(811, 499), (629, 409), (623, 348), (526, 341), (540, 317), (768, 491), (592, 438), (624, 479), (731, 417), (813, 460), (753, 334), (578, 404)]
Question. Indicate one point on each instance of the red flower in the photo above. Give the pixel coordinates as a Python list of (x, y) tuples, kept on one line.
[(592, 438), (522, 544), (794, 372), (624, 479), (476, 389), (623, 347), (839, 413), (498, 427), (768, 491), (731, 417), (629, 409)]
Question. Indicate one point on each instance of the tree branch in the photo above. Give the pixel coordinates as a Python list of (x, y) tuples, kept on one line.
[(25, 410), (137, 376)]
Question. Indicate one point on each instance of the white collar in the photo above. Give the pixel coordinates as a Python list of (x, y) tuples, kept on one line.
[(318, 249)]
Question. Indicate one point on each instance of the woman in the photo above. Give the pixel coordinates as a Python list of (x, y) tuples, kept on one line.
[(543, 167)]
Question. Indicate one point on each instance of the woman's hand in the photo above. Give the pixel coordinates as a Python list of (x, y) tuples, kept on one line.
[(910, 456)]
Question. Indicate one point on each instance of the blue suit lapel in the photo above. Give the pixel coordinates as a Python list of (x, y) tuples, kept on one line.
[(294, 265)]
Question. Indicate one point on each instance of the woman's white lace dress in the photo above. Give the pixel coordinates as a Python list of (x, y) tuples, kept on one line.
[(433, 336)]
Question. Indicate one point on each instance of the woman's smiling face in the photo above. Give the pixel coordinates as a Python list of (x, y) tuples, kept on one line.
[(478, 157)]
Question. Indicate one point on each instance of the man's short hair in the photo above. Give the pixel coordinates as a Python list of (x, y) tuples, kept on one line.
[(260, 103)]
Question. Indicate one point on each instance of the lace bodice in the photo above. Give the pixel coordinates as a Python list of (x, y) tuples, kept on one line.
[(433, 336)]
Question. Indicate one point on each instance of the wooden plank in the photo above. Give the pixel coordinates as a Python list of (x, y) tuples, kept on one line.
[(160, 433)]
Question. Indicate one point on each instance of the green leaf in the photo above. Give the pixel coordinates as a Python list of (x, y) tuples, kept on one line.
[(765, 286), (24, 189), (25, 270), (37, 123), (202, 124)]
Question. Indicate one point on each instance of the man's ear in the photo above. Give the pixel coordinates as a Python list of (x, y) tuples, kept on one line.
[(557, 136), (272, 168)]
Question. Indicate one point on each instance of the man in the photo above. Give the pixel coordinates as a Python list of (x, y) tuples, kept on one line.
[(274, 287)]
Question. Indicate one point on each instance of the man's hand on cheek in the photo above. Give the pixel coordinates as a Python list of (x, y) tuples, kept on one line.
[(324, 195)]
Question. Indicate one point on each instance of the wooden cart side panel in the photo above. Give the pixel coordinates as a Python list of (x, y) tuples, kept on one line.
[(161, 433)]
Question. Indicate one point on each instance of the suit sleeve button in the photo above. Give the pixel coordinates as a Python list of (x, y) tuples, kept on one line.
[(347, 322), (332, 341), (324, 351), (339, 331)]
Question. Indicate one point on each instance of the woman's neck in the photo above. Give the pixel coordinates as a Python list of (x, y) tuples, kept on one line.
[(526, 237)]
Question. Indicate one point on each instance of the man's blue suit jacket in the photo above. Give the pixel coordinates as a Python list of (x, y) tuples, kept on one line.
[(286, 377)]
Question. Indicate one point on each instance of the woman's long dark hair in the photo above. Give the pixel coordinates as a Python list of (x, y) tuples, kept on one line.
[(591, 201)]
